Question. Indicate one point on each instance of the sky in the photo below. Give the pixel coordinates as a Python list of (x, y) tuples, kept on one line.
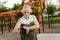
[(10, 3), (53, 2)]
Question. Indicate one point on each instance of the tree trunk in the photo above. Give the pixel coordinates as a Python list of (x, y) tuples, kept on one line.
[(48, 21)]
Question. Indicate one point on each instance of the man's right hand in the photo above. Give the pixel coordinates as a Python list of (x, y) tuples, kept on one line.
[(16, 32)]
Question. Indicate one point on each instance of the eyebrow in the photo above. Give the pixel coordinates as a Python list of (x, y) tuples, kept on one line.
[(26, 12)]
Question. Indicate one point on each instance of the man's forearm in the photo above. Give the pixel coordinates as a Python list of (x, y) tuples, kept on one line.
[(34, 27)]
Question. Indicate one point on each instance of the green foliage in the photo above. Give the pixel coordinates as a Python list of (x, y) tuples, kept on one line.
[(6, 18), (19, 15), (16, 6), (51, 9), (3, 9), (35, 12), (37, 4), (23, 0), (59, 8), (40, 4), (6, 21), (53, 20)]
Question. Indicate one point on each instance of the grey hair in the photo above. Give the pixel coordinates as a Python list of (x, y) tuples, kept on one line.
[(26, 7)]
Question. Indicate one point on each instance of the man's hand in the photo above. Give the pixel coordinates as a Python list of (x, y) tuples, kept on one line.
[(16, 32)]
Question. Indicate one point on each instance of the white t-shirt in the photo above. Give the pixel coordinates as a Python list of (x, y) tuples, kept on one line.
[(27, 21)]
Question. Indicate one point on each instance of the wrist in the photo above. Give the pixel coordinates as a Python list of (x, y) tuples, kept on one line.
[(29, 28)]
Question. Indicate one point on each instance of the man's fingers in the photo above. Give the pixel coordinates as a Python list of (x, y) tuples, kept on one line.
[(27, 31), (16, 32)]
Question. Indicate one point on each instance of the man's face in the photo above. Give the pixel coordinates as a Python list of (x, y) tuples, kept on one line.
[(26, 13)]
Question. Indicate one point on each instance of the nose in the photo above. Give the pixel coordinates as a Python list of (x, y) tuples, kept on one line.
[(26, 14)]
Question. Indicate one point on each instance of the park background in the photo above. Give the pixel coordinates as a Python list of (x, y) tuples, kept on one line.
[(46, 11)]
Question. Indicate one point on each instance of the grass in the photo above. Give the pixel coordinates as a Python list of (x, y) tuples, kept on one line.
[(53, 20)]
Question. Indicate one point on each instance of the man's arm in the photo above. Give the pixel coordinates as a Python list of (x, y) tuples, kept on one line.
[(36, 26), (18, 26)]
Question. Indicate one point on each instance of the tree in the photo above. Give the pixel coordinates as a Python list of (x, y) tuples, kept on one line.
[(16, 6), (41, 7), (50, 11), (3, 8), (23, 2)]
